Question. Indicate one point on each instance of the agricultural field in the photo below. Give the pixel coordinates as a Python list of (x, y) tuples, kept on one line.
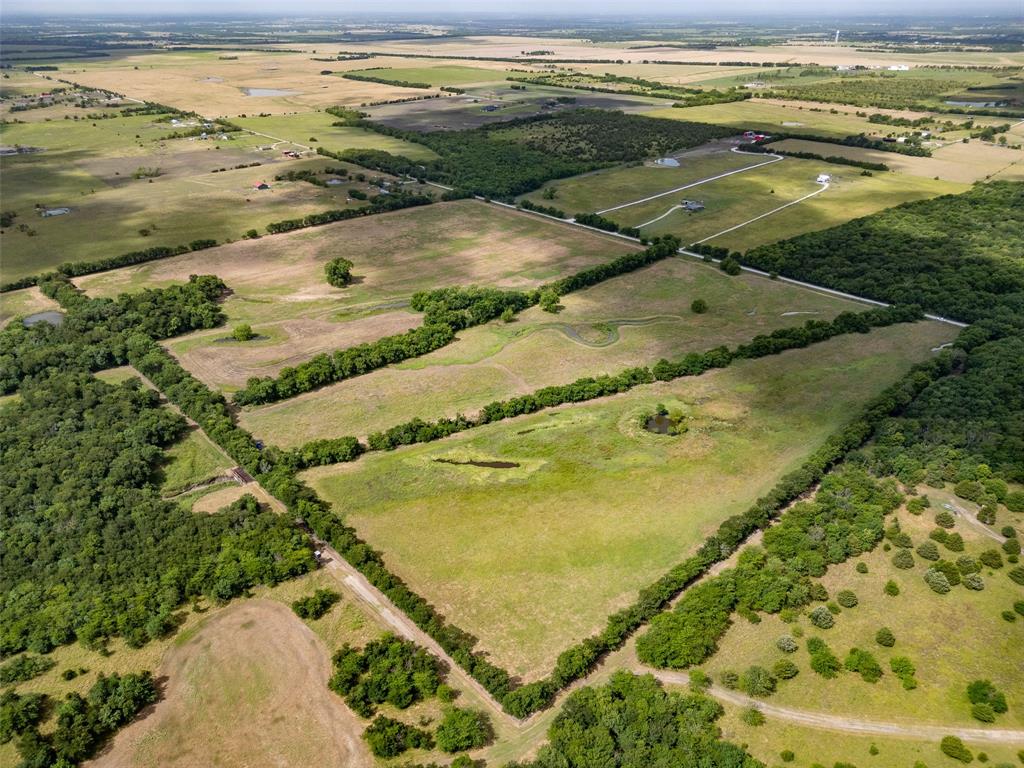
[(957, 162), (631, 320), (437, 75), (580, 507), (122, 178), (736, 199)]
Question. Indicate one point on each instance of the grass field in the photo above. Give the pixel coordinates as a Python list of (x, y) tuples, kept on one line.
[(957, 162), (946, 660), (280, 289), (27, 301), (613, 186), (300, 128), (90, 168), (193, 459), (631, 320), (444, 74), (741, 197), (533, 557), (815, 746)]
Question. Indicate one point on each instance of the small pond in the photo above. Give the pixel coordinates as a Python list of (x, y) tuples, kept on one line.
[(269, 92), (473, 463), (50, 316), (659, 423)]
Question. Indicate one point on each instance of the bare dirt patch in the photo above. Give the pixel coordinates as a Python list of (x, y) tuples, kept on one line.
[(250, 683), (222, 362), (217, 500)]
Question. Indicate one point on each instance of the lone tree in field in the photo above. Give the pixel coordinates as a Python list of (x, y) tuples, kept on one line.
[(339, 272), (699, 306), (243, 333)]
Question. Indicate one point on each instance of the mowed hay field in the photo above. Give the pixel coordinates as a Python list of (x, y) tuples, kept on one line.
[(956, 161), (952, 639), (739, 198), (633, 319), (279, 286), (603, 189), (532, 557)]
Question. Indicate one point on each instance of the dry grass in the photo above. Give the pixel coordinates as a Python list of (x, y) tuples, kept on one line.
[(957, 162), (249, 681), (27, 301)]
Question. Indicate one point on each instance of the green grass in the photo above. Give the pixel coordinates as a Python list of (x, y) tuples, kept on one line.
[(817, 746), (606, 188), (450, 74), (631, 320), (741, 197), (301, 127), (193, 459), (941, 634), (534, 557), (756, 115)]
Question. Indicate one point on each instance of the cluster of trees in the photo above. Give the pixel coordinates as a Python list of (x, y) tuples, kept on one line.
[(884, 92), (912, 148), (378, 204), (954, 255), (845, 519), (600, 222), (388, 737), (315, 606), (83, 723), (384, 80), (24, 667), (631, 721), (389, 669), (547, 210), (310, 175), (986, 700)]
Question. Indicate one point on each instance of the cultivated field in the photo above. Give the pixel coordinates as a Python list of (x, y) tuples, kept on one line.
[(533, 556), (631, 320)]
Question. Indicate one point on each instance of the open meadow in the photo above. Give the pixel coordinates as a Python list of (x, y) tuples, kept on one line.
[(528, 533), (633, 319)]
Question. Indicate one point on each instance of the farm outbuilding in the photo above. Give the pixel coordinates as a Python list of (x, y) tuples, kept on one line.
[(667, 162)]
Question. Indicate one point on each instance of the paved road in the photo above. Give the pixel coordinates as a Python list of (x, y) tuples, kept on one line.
[(846, 724), (776, 158)]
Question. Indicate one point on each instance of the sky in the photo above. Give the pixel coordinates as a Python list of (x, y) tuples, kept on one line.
[(682, 8)]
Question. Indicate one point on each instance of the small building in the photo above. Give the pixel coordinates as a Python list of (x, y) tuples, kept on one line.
[(667, 162), (262, 185), (490, 108), (898, 68), (693, 205), (824, 178), (333, 182), (47, 212)]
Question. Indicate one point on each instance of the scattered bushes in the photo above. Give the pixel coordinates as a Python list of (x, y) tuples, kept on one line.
[(904, 560), (864, 664), (885, 637), (463, 729), (823, 661), (24, 667), (952, 747), (904, 669), (846, 598), (821, 617), (387, 737)]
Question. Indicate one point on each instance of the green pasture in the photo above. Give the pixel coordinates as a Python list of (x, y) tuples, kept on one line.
[(452, 74), (533, 557), (756, 115)]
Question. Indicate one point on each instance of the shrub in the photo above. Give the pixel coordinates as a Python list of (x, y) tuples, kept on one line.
[(968, 489), (847, 598), (316, 605), (984, 692), (983, 712), (757, 681), (952, 747), (862, 567), (949, 570), (752, 717), (1017, 575), (903, 559), (1014, 502), (785, 669), (463, 729), (823, 661), (1011, 547), (699, 306), (729, 679), (1019, 607), (23, 668), (917, 505), (390, 738), (991, 558), (885, 637), (821, 617), (787, 756), (904, 669), (967, 564), (1009, 616), (928, 551), (862, 662), (730, 266), (954, 542), (786, 644), (974, 582), (699, 681), (937, 581), (243, 332), (944, 519), (892, 589)]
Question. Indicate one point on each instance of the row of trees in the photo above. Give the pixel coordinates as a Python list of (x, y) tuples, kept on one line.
[(378, 204)]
